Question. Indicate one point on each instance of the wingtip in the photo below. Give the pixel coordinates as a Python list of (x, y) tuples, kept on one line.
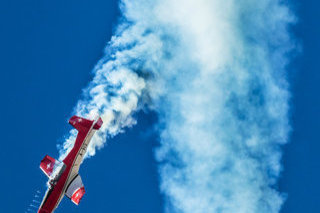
[(98, 124)]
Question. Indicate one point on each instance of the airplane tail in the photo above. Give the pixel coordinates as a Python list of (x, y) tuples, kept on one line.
[(82, 123)]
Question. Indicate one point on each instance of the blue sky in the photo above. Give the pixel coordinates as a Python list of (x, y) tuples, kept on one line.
[(48, 49), (301, 157)]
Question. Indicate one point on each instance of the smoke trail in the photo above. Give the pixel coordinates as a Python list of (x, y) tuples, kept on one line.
[(113, 94), (215, 73)]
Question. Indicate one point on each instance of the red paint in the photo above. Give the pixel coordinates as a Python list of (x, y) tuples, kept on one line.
[(83, 126), (77, 195), (98, 124), (47, 165)]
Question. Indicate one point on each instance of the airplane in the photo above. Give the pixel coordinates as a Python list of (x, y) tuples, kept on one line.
[(63, 176)]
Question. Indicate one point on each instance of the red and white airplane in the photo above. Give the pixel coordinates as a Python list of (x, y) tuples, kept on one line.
[(63, 176)]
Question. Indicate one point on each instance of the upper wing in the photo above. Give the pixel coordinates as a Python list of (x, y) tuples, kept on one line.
[(75, 190)]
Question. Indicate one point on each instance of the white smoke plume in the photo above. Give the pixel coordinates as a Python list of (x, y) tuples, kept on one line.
[(214, 70)]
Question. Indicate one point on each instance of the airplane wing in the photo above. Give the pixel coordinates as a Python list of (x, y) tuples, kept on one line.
[(75, 190), (51, 167)]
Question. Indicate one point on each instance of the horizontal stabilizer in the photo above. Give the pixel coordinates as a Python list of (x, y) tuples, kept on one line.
[(98, 124), (80, 123), (84, 124)]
